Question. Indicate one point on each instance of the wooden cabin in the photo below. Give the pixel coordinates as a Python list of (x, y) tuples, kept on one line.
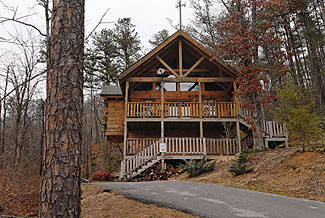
[(177, 102)]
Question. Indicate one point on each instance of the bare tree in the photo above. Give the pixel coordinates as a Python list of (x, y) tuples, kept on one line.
[(227, 128), (3, 104), (60, 186)]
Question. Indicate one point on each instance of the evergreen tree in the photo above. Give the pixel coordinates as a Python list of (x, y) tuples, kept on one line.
[(60, 189), (240, 166), (296, 108), (101, 60), (127, 43), (159, 37), (111, 51)]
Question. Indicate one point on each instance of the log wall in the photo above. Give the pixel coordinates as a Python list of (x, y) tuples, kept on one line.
[(114, 117)]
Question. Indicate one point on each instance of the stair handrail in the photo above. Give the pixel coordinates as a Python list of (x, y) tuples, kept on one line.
[(246, 141), (275, 128), (136, 161)]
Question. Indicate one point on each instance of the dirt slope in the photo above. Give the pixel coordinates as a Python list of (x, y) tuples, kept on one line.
[(285, 171), (96, 204)]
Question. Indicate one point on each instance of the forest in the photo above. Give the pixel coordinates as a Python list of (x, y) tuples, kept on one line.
[(278, 48)]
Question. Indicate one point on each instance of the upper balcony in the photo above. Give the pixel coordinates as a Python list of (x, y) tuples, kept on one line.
[(182, 110)]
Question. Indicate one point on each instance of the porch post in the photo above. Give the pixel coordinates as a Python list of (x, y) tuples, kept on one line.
[(236, 99), (162, 100), (125, 118), (162, 135), (237, 115), (238, 136), (200, 100)]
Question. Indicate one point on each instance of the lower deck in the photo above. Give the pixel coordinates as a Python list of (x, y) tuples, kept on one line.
[(184, 147), (147, 142)]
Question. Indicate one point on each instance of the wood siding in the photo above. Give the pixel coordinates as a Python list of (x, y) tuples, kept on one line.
[(114, 117), (138, 96)]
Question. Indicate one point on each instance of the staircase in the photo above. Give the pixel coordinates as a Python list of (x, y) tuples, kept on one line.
[(273, 131), (134, 165)]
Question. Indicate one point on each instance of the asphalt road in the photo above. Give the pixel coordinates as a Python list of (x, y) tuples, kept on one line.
[(206, 200)]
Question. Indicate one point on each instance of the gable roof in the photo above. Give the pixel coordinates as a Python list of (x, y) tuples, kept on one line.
[(209, 55), (113, 90)]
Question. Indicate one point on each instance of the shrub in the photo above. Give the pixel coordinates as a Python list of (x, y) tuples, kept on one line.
[(97, 177), (239, 167), (195, 168), (107, 176)]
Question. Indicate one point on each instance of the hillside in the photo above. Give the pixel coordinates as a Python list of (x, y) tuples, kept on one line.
[(285, 172)]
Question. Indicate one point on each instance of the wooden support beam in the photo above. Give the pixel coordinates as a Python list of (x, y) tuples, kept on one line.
[(125, 118), (236, 98), (183, 79), (200, 99), (203, 140), (184, 70), (180, 58), (194, 66), (162, 99), (162, 125), (167, 66), (238, 136)]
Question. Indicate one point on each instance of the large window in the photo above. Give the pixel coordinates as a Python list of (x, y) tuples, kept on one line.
[(189, 87)]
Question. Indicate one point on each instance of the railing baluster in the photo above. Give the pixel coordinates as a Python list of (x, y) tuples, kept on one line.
[(183, 145)]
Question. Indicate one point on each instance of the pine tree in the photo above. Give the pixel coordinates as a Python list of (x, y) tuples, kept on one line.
[(159, 37), (111, 51), (295, 106), (240, 166), (60, 192)]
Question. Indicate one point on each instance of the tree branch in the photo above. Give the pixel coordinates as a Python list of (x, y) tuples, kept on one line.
[(63, 59)]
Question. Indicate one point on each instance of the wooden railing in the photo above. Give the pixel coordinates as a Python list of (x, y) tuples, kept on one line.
[(185, 145), (144, 109), (182, 109), (220, 109), (221, 146), (246, 142), (275, 129), (243, 113), (271, 129), (137, 145), (133, 163)]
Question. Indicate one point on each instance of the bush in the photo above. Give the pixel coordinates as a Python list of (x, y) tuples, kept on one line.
[(195, 168), (239, 167), (102, 176)]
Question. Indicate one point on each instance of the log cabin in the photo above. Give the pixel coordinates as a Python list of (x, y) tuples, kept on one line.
[(177, 102)]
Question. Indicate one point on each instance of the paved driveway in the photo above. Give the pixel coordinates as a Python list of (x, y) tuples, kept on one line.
[(206, 200)]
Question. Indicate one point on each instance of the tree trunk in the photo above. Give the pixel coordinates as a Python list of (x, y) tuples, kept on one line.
[(42, 135), (258, 122), (60, 193), (4, 114)]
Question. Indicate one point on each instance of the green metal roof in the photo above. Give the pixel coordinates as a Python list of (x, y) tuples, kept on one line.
[(111, 91)]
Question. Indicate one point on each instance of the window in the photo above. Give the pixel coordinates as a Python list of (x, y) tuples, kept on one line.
[(189, 87)]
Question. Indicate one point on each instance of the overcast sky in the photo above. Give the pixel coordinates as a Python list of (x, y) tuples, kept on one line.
[(149, 16)]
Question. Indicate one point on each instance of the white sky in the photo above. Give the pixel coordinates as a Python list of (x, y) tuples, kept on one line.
[(149, 16)]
